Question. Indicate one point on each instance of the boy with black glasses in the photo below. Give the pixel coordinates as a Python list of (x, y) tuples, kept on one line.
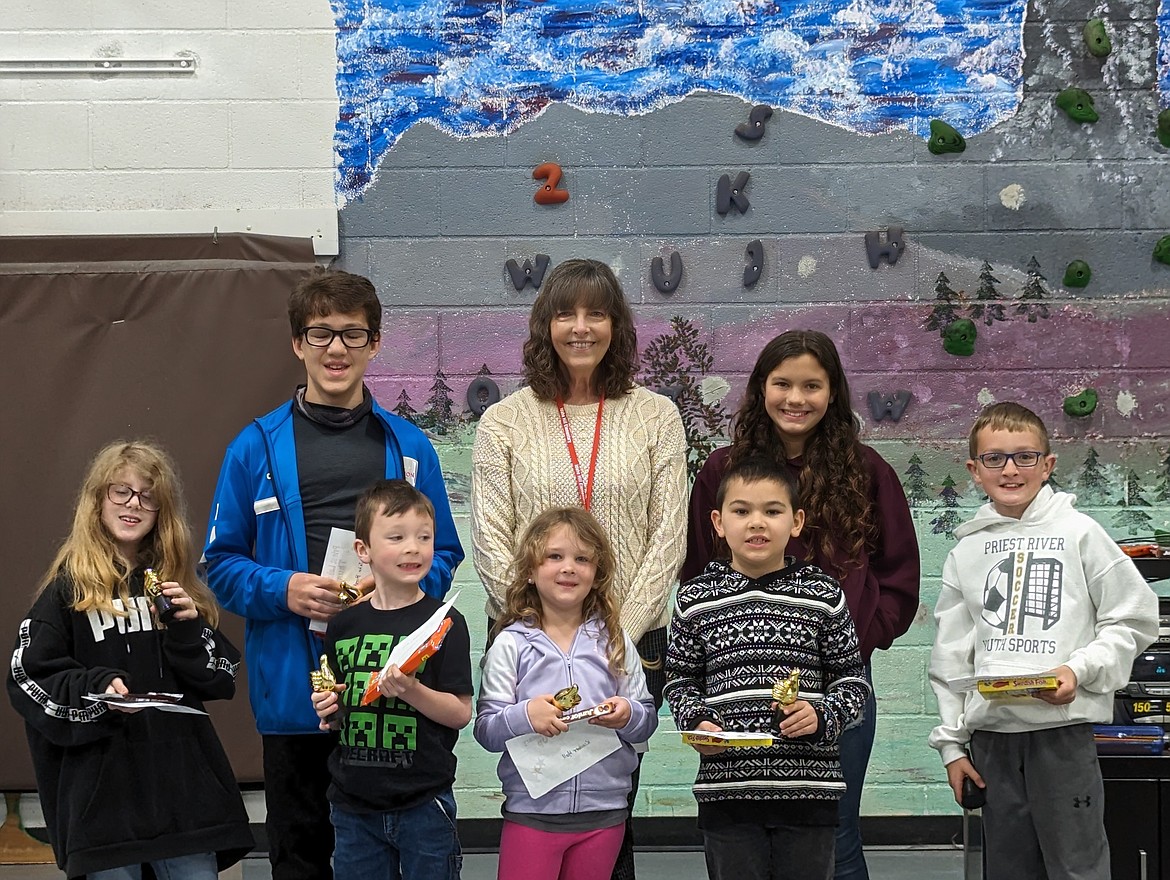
[(1033, 588), (286, 481)]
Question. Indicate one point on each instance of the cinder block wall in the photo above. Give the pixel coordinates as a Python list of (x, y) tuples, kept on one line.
[(251, 129)]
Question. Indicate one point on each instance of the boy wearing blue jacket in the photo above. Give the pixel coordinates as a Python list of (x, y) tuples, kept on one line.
[(287, 479)]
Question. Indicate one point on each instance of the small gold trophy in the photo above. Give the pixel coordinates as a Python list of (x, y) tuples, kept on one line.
[(566, 698), (323, 680), (152, 586), (784, 693), (348, 594)]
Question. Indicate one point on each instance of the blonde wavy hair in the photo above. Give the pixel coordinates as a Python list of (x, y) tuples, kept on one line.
[(89, 558), (522, 601)]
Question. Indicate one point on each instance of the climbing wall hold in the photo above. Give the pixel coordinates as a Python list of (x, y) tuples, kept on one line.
[(1081, 404), (944, 139), (753, 129), (754, 253), (551, 173), (527, 274), (891, 407), (1162, 250), (1097, 38), (667, 283), (959, 337), (728, 193), (481, 393), (1077, 274), (891, 250), (1077, 104)]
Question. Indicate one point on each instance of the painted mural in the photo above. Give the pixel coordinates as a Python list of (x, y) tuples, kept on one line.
[(480, 68), (991, 299)]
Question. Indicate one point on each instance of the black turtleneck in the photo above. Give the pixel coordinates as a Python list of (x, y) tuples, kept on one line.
[(340, 453)]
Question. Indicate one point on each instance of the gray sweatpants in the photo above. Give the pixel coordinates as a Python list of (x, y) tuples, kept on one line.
[(1045, 812)]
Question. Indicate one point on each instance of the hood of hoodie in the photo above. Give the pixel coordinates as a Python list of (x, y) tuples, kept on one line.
[(1045, 507)]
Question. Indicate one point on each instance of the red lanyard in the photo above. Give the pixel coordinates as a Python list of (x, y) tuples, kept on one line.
[(584, 488)]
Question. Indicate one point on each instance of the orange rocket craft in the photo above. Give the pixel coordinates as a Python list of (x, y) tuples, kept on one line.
[(424, 651)]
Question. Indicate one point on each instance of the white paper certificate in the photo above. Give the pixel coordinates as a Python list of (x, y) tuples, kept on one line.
[(165, 702), (341, 563), (544, 762)]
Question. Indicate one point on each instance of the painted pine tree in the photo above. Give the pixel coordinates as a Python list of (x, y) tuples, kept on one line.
[(945, 522), (1162, 490), (404, 409), (947, 305), (439, 416), (916, 485), (1136, 521), (1031, 299), (1092, 484), (679, 360), (988, 306)]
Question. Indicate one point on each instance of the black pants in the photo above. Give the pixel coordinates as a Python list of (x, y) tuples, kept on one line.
[(296, 779), (652, 649), (769, 852)]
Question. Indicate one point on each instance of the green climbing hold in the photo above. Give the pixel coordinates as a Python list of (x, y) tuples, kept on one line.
[(1078, 104), (1097, 39), (1077, 274), (944, 139), (1164, 128), (959, 337), (1080, 405), (1162, 250)]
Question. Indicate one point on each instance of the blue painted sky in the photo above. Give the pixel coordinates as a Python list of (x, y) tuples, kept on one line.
[(1164, 51), (486, 67)]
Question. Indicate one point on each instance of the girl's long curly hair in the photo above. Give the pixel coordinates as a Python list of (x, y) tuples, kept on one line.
[(592, 284), (834, 482), (90, 558), (522, 601)]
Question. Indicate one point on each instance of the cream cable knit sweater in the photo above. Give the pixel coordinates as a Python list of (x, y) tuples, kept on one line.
[(520, 468)]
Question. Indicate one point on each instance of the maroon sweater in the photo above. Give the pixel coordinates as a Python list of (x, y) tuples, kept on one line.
[(881, 587)]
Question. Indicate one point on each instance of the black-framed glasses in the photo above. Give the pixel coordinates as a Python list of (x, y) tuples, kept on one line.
[(120, 493), (322, 337), (996, 460)]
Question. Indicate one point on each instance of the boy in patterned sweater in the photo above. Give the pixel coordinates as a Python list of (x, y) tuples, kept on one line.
[(765, 812)]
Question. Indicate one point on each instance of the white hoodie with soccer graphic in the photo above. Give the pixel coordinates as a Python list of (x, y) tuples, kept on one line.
[(1023, 596)]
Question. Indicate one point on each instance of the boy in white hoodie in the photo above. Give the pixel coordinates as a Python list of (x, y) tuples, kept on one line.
[(1033, 587)]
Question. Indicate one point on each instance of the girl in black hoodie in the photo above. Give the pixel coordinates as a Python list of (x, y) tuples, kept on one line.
[(121, 786)]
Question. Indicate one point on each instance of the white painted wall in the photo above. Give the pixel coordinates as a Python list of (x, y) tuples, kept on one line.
[(244, 142)]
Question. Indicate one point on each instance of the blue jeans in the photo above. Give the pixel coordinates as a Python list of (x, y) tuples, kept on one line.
[(201, 866), (418, 843), (856, 743)]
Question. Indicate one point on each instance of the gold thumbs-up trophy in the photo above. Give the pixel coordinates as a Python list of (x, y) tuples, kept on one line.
[(784, 693)]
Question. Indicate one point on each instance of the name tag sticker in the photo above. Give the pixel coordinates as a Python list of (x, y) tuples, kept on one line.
[(410, 468)]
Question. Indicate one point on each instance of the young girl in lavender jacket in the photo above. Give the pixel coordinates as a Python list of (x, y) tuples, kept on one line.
[(559, 630)]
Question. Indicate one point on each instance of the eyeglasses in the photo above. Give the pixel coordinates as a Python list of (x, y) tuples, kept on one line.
[(322, 337), (997, 460), (121, 494)]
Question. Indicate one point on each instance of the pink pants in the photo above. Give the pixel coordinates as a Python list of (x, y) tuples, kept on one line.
[(529, 854)]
